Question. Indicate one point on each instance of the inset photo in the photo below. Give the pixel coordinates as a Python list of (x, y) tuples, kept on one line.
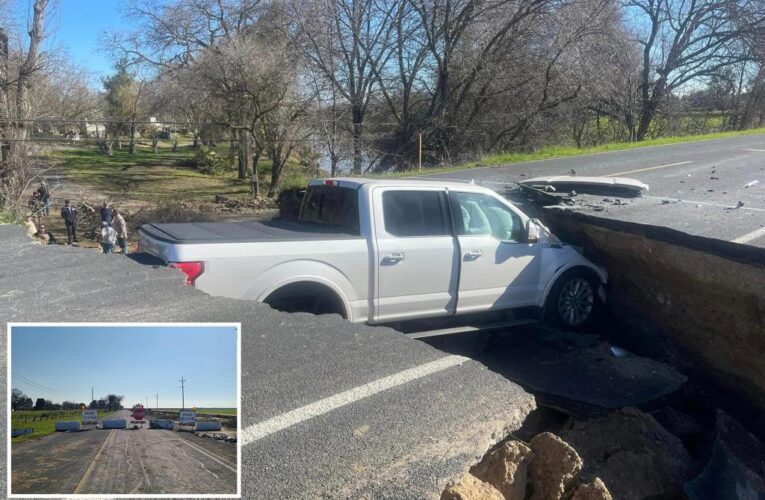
[(124, 410)]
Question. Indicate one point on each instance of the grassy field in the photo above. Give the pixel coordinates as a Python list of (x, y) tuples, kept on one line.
[(145, 176), (43, 422), (159, 177)]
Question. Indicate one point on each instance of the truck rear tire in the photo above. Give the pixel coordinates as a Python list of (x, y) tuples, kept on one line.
[(307, 297), (573, 300)]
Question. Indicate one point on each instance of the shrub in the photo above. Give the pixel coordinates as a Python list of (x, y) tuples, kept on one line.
[(207, 161), (167, 212)]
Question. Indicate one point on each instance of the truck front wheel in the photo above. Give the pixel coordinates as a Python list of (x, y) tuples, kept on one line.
[(573, 299)]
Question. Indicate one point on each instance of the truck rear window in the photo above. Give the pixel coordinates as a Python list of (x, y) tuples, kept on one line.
[(333, 206)]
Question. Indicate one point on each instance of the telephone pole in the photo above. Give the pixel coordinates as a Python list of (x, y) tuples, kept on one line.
[(183, 395), (157, 395), (91, 395)]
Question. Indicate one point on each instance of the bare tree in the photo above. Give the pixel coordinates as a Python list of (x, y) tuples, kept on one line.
[(683, 41), (16, 86), (348, 41)]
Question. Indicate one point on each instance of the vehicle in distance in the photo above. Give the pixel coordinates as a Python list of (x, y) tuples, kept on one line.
[(382, 251)]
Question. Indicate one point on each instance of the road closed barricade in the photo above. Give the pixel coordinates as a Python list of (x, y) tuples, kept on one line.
[(114, 423), (207, 426), (67, 425), (161, 424)]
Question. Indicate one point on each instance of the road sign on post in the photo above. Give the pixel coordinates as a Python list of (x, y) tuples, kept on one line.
[(187, 417), (89, 416), (138, 413)]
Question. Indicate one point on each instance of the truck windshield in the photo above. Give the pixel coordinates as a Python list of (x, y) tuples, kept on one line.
[(333, 206)]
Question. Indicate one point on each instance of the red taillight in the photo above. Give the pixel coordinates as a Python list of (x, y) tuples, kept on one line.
[(330, 182), (192, 270)]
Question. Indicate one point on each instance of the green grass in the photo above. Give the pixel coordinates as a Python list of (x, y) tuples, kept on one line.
[(146, 176), (8, 217), (23, 419), (568, 151)]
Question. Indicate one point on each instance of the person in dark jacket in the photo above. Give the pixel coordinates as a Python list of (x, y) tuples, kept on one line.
[(69, 214), (107, 213), (44, 198)]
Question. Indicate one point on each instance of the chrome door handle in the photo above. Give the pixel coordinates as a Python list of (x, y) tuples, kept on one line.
[(473, 254), (393, 258)]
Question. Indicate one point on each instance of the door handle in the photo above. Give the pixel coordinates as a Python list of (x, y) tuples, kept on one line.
[(393, 258), (473, 254)]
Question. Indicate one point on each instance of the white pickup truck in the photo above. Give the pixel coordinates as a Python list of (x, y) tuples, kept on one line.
[(382, 251)]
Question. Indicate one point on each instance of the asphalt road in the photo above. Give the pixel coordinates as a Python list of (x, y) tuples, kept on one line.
[(328, 408), (704, 181), (140, 461)]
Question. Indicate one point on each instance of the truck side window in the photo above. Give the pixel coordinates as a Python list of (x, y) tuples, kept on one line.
[(482, 214), (415, 213), (337, 207)]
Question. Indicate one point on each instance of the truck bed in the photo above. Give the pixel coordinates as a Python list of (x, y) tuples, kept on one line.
[(242, 232)]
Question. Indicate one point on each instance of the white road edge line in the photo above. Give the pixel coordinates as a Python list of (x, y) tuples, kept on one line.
[(278, 423), (203, 452), (755, 150), (750, 236), (648, 168)]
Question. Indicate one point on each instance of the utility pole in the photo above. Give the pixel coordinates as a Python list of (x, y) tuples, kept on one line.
[(157, 395), (91, 395), (419, 153), (183, 395)]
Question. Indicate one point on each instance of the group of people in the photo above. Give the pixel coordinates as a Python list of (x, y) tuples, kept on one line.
[(113, 227), (113, 231)]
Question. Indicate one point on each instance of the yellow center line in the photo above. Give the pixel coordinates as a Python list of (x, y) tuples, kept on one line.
[(648, 168), (86, 476)]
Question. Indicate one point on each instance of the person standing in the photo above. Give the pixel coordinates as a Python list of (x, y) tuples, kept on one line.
[(120, 226), (45, 198), (107, 237), (69, 214), (106, 213)]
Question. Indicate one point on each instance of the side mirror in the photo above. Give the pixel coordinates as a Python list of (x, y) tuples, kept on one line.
[(532, 233)]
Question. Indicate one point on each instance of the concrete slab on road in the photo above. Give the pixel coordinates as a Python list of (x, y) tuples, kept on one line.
[(708, 177), (352, 408)]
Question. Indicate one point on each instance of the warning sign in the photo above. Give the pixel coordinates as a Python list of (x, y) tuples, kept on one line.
[(188, 417), (89, 416)]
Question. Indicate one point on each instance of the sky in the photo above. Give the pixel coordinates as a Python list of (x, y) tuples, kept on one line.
[(78, 26), (132, 361)]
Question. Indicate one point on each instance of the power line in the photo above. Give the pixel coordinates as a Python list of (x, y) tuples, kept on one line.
[(32, 383)]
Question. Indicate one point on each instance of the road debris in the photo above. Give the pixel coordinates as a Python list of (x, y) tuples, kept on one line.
[(632, 453), (506, 468), (587, 185), (619, 352), (735, 468), (554, 467), (471, 488), (751, 184)]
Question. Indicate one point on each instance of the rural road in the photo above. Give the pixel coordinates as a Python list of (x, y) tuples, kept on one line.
[(328, 408), (704, 182), (142, 461)]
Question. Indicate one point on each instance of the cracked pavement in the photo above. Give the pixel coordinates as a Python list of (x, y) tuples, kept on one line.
[(404, 442)]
